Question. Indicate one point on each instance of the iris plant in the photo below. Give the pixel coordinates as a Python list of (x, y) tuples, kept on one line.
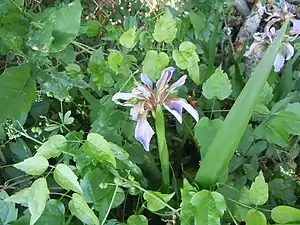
[(277, 13), (145, 98)]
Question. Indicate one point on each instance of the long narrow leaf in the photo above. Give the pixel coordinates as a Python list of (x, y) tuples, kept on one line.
[(230, 134)]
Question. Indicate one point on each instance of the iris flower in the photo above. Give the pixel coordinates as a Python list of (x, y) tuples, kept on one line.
[(148, 99)]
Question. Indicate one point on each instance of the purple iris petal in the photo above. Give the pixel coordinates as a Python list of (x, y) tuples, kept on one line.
[(165, 77), (282, 5), (141, 92), (296, 27), (289, 50), (175, 107), (279, 62), (178, 83), (144, 132), (122, 96), (146, 80)]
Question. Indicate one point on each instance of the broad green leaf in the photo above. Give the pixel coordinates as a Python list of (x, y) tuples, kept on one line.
[(92, 28), (67, 25), (17, 91), (209, 207), (54, 213), (97, 67), (8, 212), (205, 132), (255, 217), (154, 63), (266, 94), (129, 38), (37, 198), (115, 59), (236, 121), (155, 200), (259, 190), (187, 58), (198, 21), (98, 148), (285, 214), (187, 211), (66, 178), (81, 210), (137, 220), (21, 197), (218, 85), (240, 212), (53, 147), (35, 165), (165, 28)]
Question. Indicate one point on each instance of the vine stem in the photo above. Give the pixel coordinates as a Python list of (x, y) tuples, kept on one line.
[(110, 205), (247, 206)]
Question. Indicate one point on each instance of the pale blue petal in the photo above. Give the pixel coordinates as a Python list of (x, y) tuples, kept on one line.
[(289, 50), (146, 80), (144, 132), (122, 96), (296, 27), (141, 92), (178, 83), (279, 62), (175, 107), (165, 77)]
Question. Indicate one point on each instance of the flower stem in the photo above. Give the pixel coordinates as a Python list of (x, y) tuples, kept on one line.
[(162, 146)]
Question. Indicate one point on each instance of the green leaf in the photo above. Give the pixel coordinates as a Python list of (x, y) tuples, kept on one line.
[(155, 200), (35, 165), (205, 132), (154, 63), (259, 190), (187, 211), (98, 148), (67, 25), (97, 67), (115, 59), (21, 197), (240, 212), (285, 214), (129, 38), (17, 92), (8, 212), (37, 198), (165, 28), (81, 210), (137, 220), (209, 207), (218, 85), (92, 28), (54, 213), (266, 94), (214, 163), (53, 147), (187, 58), (66, 178), (198, 21), (255, 217)]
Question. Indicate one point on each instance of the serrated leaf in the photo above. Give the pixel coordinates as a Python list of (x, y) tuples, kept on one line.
[(115, 59), (129, 38), (255, 217), (66, 178), (81, 210), (209, 207), (53, 147), (155, 200), (37, 198), (165, 28), (35, 165), (218, 85), (17, 91), (259, 190), (285, 214), (67, 25), (98, 148), (137, 220), (205, 131), (21, 197), (154, 63)]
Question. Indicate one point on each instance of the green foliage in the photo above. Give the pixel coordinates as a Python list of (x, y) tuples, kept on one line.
[(35, 165), (285, 214), (137, 220), (8, 212), (18, 90), (255, 217), (259, 191), (156, 200), (53, 147), (154, 63), (129, 38)]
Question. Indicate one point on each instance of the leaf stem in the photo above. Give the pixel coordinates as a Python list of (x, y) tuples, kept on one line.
[(110, 205)]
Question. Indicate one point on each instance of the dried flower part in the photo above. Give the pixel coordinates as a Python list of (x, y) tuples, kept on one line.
[(148, 99)]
